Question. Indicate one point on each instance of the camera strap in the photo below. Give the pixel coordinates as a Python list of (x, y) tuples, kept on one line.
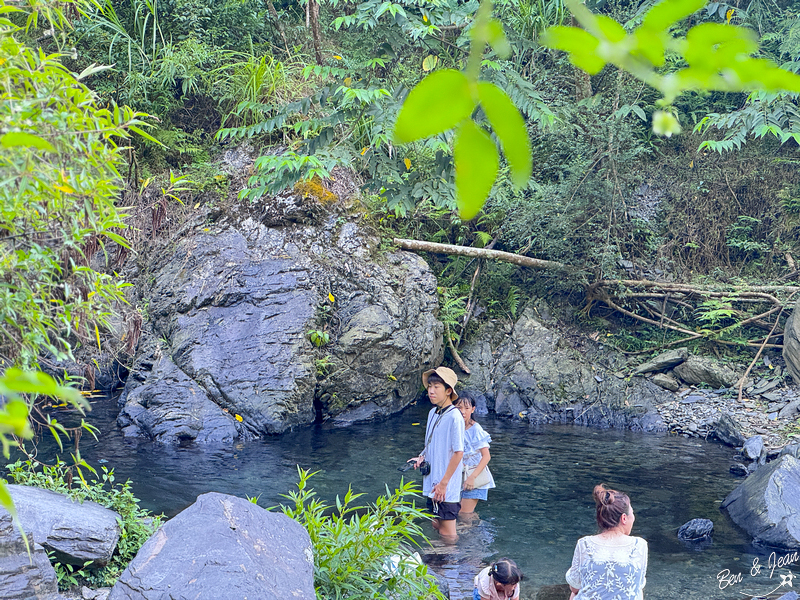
[(430, 435)]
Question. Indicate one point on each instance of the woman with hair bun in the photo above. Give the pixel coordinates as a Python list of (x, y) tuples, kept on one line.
[(612, 564)]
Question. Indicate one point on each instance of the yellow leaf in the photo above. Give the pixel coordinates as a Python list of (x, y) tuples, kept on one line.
[(331, 297), (415, 423), (364, 150), (90, 294), (337, 57), (729, 14), (64, 188), (691, 164), (196, 206), (392, 377), (407, 163), (239, 418), (425, 19), (348, 81), (97, 336)]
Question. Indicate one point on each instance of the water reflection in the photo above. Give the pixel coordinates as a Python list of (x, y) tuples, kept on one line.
[(541, 506)]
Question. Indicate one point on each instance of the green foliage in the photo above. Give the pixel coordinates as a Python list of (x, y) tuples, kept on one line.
[(319, 338), (136, 524), (364, 551), (59, 156), (763, 114)]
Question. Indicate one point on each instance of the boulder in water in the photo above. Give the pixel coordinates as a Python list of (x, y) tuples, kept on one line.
[(767, 504)]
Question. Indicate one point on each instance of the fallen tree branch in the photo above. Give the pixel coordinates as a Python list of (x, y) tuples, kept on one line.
[(517, 259)]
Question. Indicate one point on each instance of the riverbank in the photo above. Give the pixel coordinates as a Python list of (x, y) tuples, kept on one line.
[(695, 411)]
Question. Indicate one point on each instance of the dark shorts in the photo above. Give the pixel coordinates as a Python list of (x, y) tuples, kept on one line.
[(444, 511)]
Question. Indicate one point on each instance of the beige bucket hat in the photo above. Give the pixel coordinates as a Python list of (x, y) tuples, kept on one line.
[(448, 375)]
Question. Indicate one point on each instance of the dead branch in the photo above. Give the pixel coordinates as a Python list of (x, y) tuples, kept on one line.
[(760, 350), (454, 352), (517, 259)]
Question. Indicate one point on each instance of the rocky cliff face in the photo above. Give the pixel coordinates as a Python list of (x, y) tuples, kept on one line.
[(227, 352), (532, 370)]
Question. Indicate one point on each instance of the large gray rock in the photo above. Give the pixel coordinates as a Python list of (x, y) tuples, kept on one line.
[(791, 343), (728, 431), (696, 370), (23, 576), (767, 504), (536, 371), (227, 350), (662, 362), (222, 547), (76, 532)]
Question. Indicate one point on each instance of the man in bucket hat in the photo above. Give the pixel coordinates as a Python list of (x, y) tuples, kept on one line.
[(440, 460)]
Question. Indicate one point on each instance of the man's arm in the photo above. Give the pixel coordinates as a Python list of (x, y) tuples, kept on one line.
[(440, 489)]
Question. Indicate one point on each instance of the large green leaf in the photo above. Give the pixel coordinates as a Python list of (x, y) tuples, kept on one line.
[(509, 126), (476, 160), (19, 138), (438, 103), (581, 45), (669, 12)]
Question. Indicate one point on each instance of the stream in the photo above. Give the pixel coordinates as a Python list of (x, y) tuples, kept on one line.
[(541, 506)]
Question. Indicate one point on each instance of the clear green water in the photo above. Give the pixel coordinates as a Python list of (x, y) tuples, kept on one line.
[(541, 507)]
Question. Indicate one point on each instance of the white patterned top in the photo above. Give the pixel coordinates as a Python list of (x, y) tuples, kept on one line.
[(609, 569)]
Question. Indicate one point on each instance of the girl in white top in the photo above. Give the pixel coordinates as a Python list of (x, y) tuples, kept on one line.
[(612, 564), (476, 454)]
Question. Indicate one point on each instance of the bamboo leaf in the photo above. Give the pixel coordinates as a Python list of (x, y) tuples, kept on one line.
[(19, 138)]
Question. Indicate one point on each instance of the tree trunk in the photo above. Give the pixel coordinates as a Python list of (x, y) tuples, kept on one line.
[(274, 14), (313, 15)]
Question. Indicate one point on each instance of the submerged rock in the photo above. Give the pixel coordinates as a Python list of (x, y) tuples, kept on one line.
[(77, 532), (256, 329), (767, 504), (534, 370), (222, 547), (696, 530)]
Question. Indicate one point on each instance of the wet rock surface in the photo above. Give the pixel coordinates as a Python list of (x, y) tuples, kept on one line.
[(695, 530), (537, 373), (222, 547), (255, 329)]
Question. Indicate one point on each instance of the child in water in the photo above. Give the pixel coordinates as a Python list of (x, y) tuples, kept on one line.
[(498, 582), (476, 454)]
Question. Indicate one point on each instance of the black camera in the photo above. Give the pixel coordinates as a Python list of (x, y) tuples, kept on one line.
[(425, 468)]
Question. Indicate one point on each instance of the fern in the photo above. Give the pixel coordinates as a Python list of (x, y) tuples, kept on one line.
[(774, 114), (512, 300)]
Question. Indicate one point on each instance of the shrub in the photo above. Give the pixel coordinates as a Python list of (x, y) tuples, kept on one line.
[(364, 552)]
